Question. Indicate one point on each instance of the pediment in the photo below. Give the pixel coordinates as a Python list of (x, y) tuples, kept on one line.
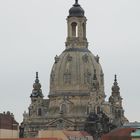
[(61, 123)]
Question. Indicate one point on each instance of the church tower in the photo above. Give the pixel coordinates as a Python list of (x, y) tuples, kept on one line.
[(116, 104), (33, 121)]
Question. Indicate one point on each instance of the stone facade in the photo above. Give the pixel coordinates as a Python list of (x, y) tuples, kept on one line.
[(76, 86)]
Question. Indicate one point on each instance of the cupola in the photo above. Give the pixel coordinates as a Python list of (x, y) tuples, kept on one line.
[(76, 22), (76, 10)]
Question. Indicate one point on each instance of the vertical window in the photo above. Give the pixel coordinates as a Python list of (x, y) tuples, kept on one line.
[(98, 110), (84, 30), (39, 112), (74, 29), (88, 110), (63, 108)]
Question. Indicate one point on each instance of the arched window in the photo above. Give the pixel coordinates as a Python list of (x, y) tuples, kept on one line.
[(74, 29), (98, 110), (84, 30), (39, 112)]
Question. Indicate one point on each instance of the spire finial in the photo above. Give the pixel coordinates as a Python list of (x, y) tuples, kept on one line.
[(115, 78), (115, 87), (36, 75), (36, 88), (76, 1), (37, 80)]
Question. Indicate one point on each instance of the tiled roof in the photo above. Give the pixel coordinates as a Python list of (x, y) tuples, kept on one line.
[(33, 139), (84, 133), (119, 134), (63, 134), (76, 133), (72, 133)]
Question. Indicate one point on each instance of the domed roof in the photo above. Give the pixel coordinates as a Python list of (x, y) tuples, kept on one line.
[(76, 10), (73, 72)]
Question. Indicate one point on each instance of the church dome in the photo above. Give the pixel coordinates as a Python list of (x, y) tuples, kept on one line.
[(76, 10), (73, 72)]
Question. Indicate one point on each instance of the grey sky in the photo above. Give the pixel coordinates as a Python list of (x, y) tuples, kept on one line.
[(32, 32)]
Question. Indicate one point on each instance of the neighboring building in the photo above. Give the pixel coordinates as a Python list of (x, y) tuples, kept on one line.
[(76, 87), (136, 135), (119, 134), (132, 124), (129, 131), (8, 126)]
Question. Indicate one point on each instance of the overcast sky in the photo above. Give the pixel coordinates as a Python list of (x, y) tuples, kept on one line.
[(32, 32)]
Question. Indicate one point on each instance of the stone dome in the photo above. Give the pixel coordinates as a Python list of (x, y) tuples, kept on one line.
[(73, 71), (76, 11)]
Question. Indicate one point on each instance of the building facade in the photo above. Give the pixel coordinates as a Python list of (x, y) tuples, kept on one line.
[(136, 135), (8, 126), (76, 86)]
